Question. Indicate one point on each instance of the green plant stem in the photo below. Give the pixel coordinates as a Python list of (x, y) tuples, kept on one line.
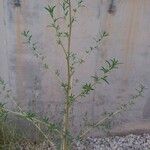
[(69, 87), (46, 137), (64, 50)]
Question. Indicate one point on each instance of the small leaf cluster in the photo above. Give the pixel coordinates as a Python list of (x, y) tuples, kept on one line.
[(51, 126), (140, 91), (71, 99), (110, 65), (86, 89), (7, 93), (2, 84), (54, 24), (30, 115), (65, 7), (3, 112), (97, 40), (80, 3), (51, 10)]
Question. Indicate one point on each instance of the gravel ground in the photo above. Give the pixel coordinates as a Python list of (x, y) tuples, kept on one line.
[(129, 142)]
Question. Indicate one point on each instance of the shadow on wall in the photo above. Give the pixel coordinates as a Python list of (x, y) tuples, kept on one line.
[(146, 111), (17, 3)]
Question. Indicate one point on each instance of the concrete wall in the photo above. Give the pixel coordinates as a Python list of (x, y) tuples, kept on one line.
[(38, 90)]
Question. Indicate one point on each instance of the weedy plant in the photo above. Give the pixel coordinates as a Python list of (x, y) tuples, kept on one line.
[(9, 136), (60, 135)]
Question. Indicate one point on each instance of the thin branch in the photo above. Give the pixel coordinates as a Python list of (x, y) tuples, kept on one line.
[(32, 121), (122, 108), (36, 53)]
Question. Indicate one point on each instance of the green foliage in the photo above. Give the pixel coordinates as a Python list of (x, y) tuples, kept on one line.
[(30, 115), (110, 65), (86, 89), (71, 99), (60, 133), (51, 10), (8, 137), (80, 3), (65, 7), (3, 112)]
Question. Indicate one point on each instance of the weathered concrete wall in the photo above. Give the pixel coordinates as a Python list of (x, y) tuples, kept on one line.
[(37, 89)]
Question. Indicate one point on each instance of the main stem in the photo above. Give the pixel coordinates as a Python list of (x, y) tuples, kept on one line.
[(65, 142)]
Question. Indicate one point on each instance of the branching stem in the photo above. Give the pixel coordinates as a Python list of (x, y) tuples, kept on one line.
[(69, 84)]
